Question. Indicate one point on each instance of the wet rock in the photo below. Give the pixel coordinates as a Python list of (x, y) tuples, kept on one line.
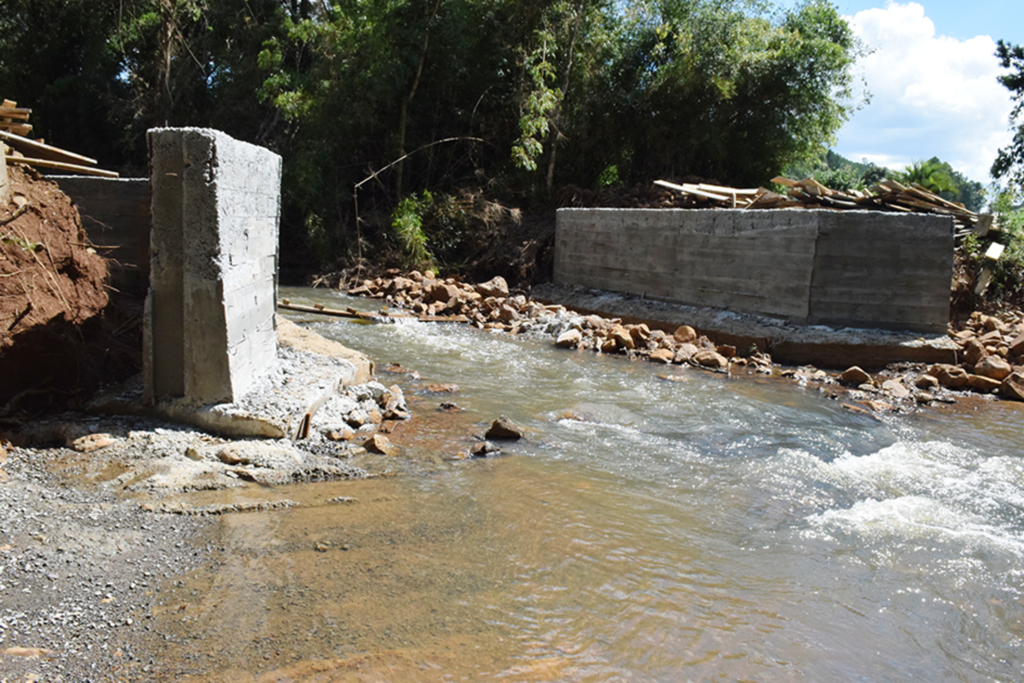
[(1017, 345), (673, 378), (483, 449), (440, 292), (662, 356), (726, 350), (1013, 387), (92, 442), (855, 375), (640, 334), (380, 444), (895, 388), (496, 287), (449, 407), (504, 429), (993, 367), (710, 359), (441, 388), (684, 334), (622, 338), (982, 383), (685, 352), (924, 397), (926, 382), (950, 376), (569, 339)]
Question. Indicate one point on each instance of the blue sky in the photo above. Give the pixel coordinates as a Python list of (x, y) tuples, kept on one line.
[(932, 79)]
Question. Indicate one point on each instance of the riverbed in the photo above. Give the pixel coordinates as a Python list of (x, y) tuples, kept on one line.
[(702, 528)]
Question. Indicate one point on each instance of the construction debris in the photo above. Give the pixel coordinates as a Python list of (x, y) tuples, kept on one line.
[(22, 150)]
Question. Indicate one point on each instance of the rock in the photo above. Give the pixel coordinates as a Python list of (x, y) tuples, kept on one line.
[(440, 292), (673, 378), (507, 313), (504, 429), (684, 334), (623, 339), (483, 449), (569, 339), (380, 444), (710, 359), (30, 652), (1013, 387), (496, 287), (895, 388), (685, 352), (662, 356), (854, 375), (1017, 345), (924, 397), (640, 334), (726, 350), (926, 381), (982, 383), (450, 407), (343, 435), (950, 376), (92, 442), (993, 367), (441, 388), (973, 351)]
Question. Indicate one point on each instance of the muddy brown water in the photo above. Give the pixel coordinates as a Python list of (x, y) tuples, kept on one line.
[(712, 528)]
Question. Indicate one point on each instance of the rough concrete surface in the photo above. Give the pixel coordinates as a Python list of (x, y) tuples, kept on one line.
[(209, 327), (853, 268)]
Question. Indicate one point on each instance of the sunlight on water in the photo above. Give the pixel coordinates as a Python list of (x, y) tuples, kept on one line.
[(711, 528)]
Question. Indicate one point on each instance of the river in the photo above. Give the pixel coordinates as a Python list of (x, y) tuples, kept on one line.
[(717, 528)]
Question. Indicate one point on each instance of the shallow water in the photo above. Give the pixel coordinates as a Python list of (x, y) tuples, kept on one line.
[(711, 528)]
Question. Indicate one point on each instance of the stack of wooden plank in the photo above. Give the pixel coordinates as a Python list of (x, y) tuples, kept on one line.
[(888, 195), (22, 150)]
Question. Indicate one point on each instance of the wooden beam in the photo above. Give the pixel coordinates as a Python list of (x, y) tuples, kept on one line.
[(58, 166), (38, 150), (22, 129), (692, 189), (14, 113)]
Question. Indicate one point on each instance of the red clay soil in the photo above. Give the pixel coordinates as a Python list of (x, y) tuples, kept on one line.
[(53, 290)]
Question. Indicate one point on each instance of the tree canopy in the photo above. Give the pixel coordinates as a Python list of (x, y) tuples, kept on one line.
[(1009, 163), (373, 101)]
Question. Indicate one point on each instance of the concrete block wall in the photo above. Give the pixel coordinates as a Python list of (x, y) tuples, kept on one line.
[(116, 216), (209, 330), (857, 268)]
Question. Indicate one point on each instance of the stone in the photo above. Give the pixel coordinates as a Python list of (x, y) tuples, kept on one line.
[(504, 429), (496, 287), (895, 388), (926, 381), (1017, 345), (623, 339), (441, 292), (1013, 387), (662, 356), (973, 351), (92, 442), (993, 367), (483, 449), (982, 383), (380, 444), (450, 407), (684, 334), (685, 352), (569, 339), (640, 334), (949, 376), (607, 345), (855, 375), (710, 359), (924, 397), (441, 388), (726, 350)]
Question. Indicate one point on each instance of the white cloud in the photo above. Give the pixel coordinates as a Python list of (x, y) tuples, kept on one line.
[(930, 95)]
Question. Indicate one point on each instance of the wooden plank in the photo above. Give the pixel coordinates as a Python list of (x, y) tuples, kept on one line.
[(38, 150), (14, 113), (58, 166), (692, 189), (728, 190), (10, 104), (22, 129), (779, 180)]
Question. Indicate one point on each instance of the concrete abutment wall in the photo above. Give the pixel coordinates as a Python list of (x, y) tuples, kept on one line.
[(851, 268), (209, 325)]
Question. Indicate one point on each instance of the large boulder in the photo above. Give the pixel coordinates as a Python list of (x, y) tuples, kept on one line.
[(993, 367), (496, 287)]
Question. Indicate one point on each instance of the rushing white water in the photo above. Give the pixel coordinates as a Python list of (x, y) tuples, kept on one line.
[(741, 529)]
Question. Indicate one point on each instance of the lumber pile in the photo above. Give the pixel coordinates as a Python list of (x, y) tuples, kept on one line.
[(888, 195), (14, 127)]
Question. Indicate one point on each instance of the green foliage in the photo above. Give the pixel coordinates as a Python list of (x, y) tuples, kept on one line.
[(609, 176), (407, 225), (1009, 163), (931, 175)]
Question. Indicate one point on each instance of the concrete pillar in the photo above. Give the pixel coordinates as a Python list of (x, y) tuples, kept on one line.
[(209, 324)]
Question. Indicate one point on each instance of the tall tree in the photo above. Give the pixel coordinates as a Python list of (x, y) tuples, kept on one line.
[(1009, 162)]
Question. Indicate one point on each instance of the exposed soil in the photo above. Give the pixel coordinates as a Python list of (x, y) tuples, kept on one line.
[(59, 336)]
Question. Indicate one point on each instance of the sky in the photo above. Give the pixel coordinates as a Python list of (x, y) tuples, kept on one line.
[(931, 76)]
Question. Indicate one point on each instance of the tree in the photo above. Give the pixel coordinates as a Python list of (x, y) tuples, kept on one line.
[(1009, 162)]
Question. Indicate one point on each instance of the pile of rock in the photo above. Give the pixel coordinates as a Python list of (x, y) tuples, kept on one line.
[(490, 306), (992, 358)]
